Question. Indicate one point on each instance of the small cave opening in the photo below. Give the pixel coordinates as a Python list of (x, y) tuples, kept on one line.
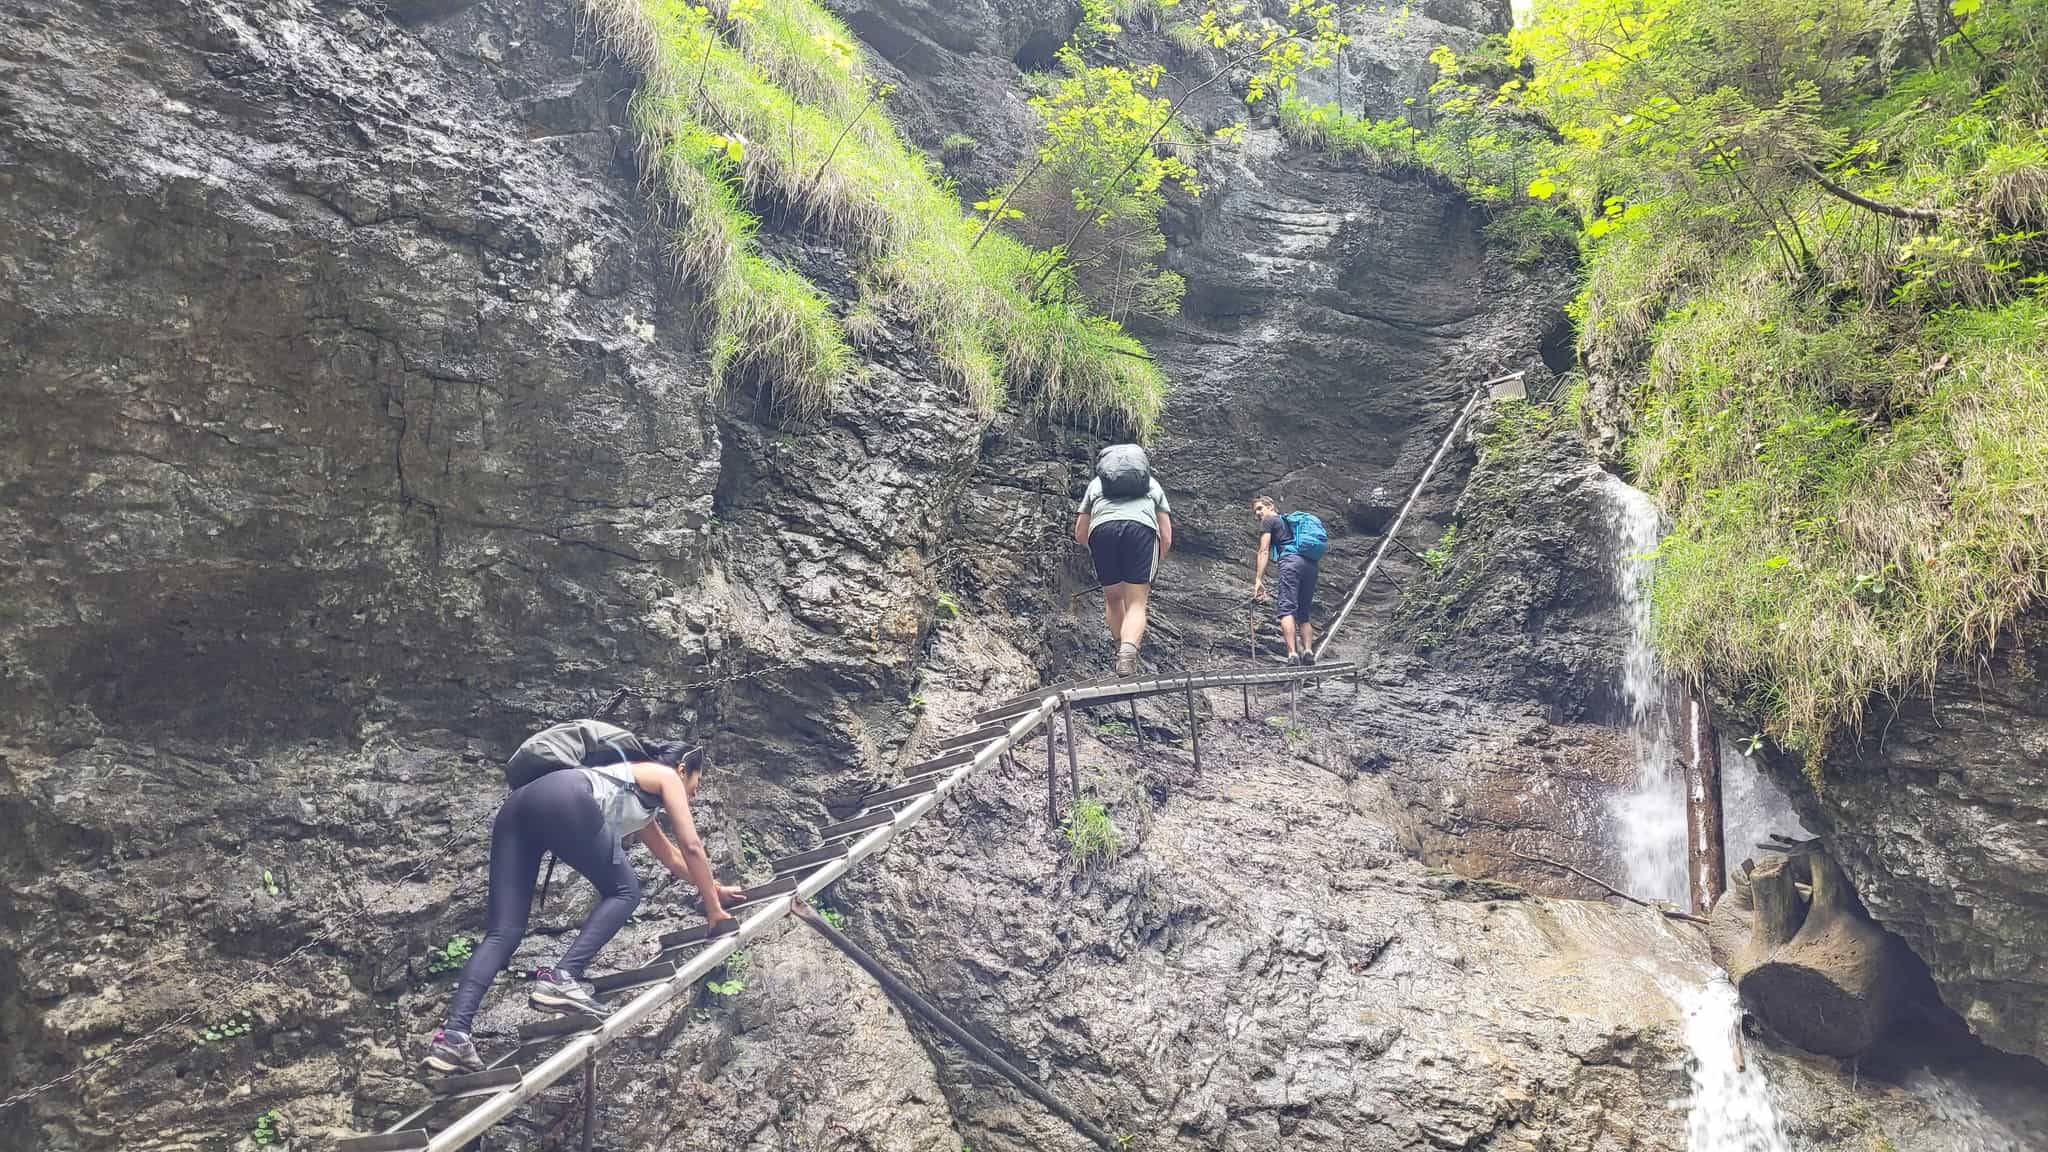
[(1040, 50), (1556, 346)]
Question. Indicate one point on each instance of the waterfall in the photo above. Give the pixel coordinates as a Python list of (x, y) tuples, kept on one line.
[(1729, 1108), (1649, 818)]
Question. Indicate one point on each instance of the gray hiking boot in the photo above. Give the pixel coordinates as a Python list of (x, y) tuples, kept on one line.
[(451, 1054), (1308, 657), (554, 991), (1127, 660)]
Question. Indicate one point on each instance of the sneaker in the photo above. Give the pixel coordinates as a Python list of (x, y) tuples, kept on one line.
[(1289, 660), (1127, 660), (1308, 657), (553, 991), (451, 1054)]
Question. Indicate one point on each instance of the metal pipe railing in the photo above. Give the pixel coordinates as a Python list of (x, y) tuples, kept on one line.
[(572, 1055), (1394, 529)]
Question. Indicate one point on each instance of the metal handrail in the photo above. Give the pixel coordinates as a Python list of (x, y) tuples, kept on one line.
[(1394, 529), (579, 1051), (572, 1055)]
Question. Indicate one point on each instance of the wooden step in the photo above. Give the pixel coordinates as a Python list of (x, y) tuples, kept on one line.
[(977, 737), (760, 893), (476, 1083), (805, 861), (860, 823), (567, 1024), (951, 759), (632, 978), (693, 935), (917, 787)]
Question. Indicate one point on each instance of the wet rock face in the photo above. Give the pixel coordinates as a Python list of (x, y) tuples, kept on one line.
[(354, 430), (341, 380), (1939, 814)]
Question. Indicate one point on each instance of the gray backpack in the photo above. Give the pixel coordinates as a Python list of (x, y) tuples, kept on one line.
[(1124, 472), (576, 744)]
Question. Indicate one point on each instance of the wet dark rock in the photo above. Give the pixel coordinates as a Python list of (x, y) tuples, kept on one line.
[(1937, 814), (356, 429)]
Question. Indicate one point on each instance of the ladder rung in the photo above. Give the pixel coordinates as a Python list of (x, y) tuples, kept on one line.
[(632, 978), (917, 787), (978, 736), (951, 759), (859, 823), (769, 891), (567, 1024), (1007, 711), (811, 859), (472, 1083), (694, 935), (403, 1141)]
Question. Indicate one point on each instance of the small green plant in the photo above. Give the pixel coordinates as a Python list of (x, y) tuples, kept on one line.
[(832, 916), (269, 1129), (1439, 557), (451, 957), (1091, 835), (269, 882), (949, 607), (917, 702), (735, 973), (1124, 1139), (239, 1024), (957, 146)]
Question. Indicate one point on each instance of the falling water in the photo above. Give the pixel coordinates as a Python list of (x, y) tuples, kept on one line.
[(1649, 818), (1729, 1109)]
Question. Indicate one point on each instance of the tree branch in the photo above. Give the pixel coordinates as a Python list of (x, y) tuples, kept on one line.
[(1611, 889), (1841, 193), (1014, 189)]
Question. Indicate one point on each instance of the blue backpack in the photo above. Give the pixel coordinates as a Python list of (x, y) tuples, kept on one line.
[(1310, 539)]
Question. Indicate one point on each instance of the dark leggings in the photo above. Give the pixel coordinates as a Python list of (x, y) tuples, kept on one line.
[(553, 814)]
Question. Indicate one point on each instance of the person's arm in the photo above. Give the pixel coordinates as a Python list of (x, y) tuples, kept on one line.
[(1259, 577), (1081, 529), (687, 860), (1165, 533)]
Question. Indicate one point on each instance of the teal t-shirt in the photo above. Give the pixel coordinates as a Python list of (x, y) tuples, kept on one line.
[(1145, 509)]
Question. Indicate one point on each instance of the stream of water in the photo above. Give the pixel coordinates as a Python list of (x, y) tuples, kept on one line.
[(1729, 1108)]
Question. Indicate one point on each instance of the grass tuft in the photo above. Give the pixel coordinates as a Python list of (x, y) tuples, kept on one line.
[(1091, 835), (768, 102)]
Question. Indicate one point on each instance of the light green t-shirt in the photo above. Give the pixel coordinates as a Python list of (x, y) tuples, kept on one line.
[(1145, 509)]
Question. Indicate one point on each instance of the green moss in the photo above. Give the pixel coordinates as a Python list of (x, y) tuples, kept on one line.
[(768, 101)]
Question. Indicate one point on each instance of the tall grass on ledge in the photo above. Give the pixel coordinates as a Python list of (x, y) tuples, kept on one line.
[(1820, 556), (767, 101)]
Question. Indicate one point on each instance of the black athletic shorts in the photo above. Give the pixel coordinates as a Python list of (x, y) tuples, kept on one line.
[(1297, 591), (1123, 551)]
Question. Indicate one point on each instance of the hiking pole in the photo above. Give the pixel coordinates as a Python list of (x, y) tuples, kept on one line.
[(546, 880)]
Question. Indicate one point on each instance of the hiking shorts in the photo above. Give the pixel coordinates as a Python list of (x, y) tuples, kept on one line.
[(1296, 593), (1123, 551)]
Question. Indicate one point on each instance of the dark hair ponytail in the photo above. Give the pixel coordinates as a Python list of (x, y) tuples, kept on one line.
[(684, 758)]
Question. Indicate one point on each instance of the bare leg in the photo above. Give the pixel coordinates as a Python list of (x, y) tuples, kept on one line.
[(1287, 630), (1308, 636), (1113, 596), (1137, 602)]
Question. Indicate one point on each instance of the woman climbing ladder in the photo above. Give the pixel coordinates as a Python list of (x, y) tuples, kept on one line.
[(581, 789)]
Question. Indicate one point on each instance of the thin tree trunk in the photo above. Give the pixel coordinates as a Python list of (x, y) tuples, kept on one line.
[(1706, 850)]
